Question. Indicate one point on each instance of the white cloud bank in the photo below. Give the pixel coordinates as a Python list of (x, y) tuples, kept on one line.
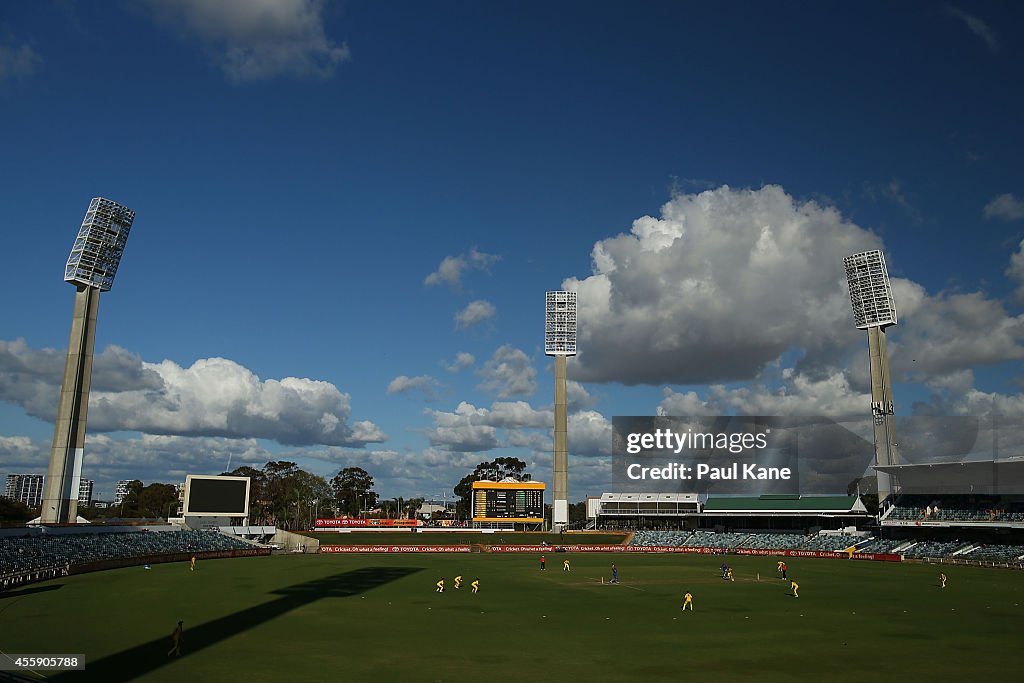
[(212, 397), (726, 281)]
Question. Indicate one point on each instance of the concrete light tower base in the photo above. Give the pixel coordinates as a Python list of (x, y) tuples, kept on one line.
[(560, 488), (882, 410), (60, 495)]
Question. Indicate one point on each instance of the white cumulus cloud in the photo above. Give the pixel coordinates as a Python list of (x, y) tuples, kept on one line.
[(452, 267), (475, 313), (462, 361), (722, 283), (252, 40), (726, 281), (1005, 207), (424, 383), (509, 372)]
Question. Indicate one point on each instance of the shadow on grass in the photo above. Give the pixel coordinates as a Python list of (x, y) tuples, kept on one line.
[(29, 591), (131, 664)]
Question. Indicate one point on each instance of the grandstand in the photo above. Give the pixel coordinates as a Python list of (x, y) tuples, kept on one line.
[(28, 555), (955, 510), (986, 527), (862, 543), (792, 513)]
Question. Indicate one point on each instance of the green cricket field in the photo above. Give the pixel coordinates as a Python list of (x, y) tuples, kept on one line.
[(362, 617)]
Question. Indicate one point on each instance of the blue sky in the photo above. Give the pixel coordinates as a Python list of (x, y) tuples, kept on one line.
[(351, 194)]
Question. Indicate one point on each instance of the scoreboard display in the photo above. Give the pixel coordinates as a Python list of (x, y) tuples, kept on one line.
[(508, 501), (216, 496)]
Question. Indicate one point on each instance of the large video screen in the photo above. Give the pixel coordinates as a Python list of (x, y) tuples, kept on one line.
[(228, 496)]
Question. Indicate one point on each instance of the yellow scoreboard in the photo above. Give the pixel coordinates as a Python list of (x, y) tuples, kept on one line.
[(521, 501)]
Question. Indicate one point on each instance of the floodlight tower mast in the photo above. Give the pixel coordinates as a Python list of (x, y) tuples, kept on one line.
[(874, 310), (560, 342), (91, 268)]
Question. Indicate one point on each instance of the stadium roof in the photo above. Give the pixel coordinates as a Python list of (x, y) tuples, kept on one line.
[(1005, 476), (792, 504), (650, 497)]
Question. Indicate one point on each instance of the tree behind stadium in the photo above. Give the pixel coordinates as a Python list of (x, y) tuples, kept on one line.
[(353, 490), (496, 470)]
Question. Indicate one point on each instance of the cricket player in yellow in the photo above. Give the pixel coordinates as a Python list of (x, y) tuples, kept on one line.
[(688, 600), (475, 585), (192, 568), (942, 579), (849, 552), (176, 637), (778, 567), (565, 566), (796, 588), (440, 586), (458, 581), (728, 575)]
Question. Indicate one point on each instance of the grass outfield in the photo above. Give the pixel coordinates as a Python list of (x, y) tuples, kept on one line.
[(465, 538), (376, 618)]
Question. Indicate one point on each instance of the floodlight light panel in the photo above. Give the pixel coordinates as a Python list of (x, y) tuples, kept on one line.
[(97, 250), (870, 290), (560, 323)]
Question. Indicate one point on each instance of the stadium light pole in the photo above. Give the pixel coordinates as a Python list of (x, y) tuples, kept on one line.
[(874, 310), (91, 267), (560, 342)]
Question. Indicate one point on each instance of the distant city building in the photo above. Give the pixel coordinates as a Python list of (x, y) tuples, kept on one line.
[(121, 492), (428, 509), (25, 488), (85, 492), (181, 499)]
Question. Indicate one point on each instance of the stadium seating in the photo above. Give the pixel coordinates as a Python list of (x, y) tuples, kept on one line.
[(711, 539), (937, 549), (831, 542), (956, 508), (668, 538), (39, 552), (995, 553), (880, 545), (769, 541)]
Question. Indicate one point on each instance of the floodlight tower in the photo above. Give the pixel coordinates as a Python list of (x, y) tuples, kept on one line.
[(874, 310), (560, 342), (90, 268)]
